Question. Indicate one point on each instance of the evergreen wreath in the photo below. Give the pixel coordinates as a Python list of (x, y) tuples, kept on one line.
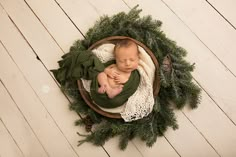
[(176, 86)]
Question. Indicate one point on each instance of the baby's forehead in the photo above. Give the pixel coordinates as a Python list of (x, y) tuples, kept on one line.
[(127, 56), (128, 49), (121, 53), (125, 43)]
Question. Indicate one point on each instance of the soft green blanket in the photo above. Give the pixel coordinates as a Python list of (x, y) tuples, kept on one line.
[(84, 64)]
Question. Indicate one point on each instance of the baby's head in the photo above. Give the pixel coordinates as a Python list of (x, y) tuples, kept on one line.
[(127, 55)]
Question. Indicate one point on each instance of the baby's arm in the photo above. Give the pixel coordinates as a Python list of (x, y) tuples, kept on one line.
[(111, 72)]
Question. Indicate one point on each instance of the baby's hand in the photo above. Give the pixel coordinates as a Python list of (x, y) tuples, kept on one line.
[(120, 79), (112, 73)]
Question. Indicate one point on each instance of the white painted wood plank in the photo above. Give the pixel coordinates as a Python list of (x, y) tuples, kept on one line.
[(209, 73), (45, 88), (108, 7), (8, 147), (216, 128), (33, 31), (226, 8), (187, 138), (56, 22), (33, 109), (112, 147), (17, 125), (210, 27), (160, 148), (215, 74), (80, 12)]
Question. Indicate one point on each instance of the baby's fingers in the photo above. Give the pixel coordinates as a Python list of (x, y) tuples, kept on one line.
[(117, 81), (111, 76), (116, 74), (117, 77)]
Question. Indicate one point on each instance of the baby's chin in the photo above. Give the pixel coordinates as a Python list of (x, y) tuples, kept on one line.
[(129, 70)]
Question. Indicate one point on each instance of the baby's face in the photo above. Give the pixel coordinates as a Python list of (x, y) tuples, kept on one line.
[(127, 58)]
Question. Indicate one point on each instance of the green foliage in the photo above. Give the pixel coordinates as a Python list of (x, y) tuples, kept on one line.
[(176, 82)]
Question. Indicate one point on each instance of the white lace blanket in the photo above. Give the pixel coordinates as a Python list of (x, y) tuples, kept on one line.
[(140, 104)]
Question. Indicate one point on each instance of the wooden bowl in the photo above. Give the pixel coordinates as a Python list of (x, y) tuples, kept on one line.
[(113, 39)]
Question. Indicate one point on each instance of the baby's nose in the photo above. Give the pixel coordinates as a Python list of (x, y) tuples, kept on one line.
[(127, 62)]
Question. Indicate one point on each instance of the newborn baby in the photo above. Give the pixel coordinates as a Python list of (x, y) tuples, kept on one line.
[(111, 80)]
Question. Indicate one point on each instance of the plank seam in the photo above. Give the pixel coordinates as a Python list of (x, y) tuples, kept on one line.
[(126, 4), (221, 15), (69, 18), (16, 103), (212, 53), (32, 87), (105, 151), (37, 57), (96, 10), (172, 146), (50, 75), (137, 148), (215, 102), (43, 25), (199, 38), (201, 134), (9, 131)]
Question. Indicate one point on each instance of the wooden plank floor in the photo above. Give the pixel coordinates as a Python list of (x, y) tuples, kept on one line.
[(34, 117)]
